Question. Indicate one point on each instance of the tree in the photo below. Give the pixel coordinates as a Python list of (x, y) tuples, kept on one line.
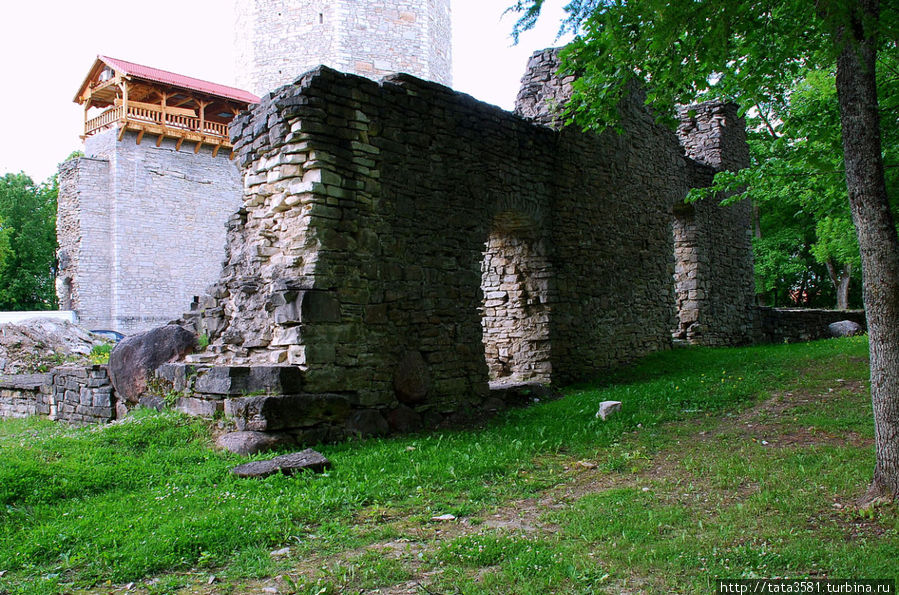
[(751, 52), (27, 243)]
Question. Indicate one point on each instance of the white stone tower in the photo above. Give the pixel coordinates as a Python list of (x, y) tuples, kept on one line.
[(278, 40)]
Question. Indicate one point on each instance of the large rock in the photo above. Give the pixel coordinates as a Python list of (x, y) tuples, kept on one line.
[(286, 464), (845, 328), (412, 380), (134, 359)]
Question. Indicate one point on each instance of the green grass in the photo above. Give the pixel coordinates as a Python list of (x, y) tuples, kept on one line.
[(128, 501)]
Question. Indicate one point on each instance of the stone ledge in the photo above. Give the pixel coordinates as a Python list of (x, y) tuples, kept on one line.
[(26, 381)]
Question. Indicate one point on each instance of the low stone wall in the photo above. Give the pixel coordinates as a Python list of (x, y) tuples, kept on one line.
[(24, 395), (794, 325), (82, 395), (277, 399), (76, 395)]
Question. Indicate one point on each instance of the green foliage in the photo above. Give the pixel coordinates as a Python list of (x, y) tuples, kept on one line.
[(202, 342), (27, 243), (100, 353)]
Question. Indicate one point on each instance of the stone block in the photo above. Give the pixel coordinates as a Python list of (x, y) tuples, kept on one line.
[(198, 407), (283, 412), (242, 380)]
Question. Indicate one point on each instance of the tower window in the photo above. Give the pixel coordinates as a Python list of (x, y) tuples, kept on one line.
[(321, 18)]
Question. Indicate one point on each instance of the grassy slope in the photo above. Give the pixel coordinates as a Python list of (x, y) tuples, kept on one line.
[(122, 502)]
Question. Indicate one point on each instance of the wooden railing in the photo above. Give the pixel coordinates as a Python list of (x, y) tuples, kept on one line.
[(156, 115), (102, 121)]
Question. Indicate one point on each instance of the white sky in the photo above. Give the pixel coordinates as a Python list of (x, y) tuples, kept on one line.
[(47, 47)]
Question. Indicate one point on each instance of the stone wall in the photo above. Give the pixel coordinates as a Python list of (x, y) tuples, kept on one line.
[(278, 40), (82, 395), (402, 245), (25, 395), (794, 325), (83, 226), (76, 395), (141, 229), (714, 285), (714, 280)]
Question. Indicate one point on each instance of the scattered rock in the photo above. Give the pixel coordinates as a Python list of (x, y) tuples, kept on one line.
[(38, 344), (250, 443), (282, 553), (845, 328), (136, 357), (607, 409), (443, 518), (286, 464), (586, 464)]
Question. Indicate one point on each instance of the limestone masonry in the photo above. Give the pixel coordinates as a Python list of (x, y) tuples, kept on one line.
[(141, 225), (403, 248), (278, 40), (140, 229)]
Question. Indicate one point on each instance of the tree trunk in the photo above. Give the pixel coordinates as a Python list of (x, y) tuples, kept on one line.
[(877, 239), (840, 282)]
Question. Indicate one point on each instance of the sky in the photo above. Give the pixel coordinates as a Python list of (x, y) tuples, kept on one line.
[(47, 47)]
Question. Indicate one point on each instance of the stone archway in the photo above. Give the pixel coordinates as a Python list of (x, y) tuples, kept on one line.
[(515, 315)]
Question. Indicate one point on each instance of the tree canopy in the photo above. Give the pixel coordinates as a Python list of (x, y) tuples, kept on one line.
[(27, 243)]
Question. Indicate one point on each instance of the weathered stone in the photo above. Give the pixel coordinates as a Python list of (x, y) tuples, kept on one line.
[(404, 420), (250, 443), (845, 328), (199, 407), (242, 380), (368, 422), (134, 359), (152, 402), (412, 380), (288, 464), (608, 409), (280, 412)]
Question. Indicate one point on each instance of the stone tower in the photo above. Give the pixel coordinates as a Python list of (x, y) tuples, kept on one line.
[(278, 40)]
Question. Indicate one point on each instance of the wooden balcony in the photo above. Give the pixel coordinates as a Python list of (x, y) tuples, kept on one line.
[(161, 122)]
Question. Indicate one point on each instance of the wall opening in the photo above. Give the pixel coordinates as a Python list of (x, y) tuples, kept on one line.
[(688, 293), (515, 314)]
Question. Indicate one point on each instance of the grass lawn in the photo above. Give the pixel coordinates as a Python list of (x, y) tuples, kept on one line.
[(723, 463)]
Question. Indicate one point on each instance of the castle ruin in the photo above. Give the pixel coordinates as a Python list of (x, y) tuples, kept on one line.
[(398, 254), (402, 249)]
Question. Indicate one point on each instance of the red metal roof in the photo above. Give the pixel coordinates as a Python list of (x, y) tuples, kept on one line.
[(178, 80)]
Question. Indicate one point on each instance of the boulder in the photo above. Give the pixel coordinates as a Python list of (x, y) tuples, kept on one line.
[(250, 443), (368, 422), (134, 359), (845, 328), (404, 420), (412, 380), (286, 464), (608, 409)]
